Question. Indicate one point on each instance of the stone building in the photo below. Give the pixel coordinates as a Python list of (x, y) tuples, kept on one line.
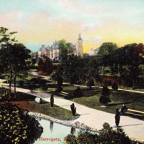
[(93, 52), (79, 46), (53, 52)]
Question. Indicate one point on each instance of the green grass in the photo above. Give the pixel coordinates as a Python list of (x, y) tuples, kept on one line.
[(45, 107), (18, 78), (33, 70), (91, 99), (56, 111), (56, 64), (132, 100)]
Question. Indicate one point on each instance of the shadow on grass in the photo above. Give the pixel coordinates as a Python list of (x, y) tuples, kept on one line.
[(24, 97), (44, 102)]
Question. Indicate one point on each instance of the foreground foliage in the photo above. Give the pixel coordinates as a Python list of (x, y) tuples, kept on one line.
[(16, 127), (105, 136)]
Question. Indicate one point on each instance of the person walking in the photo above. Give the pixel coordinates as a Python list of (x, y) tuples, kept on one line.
[(117, 117), (73, 109), (52, 100)]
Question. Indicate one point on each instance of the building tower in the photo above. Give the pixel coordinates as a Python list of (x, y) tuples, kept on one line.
[(79, 46)]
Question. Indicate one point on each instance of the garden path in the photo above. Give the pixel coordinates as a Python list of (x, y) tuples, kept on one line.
[(93, 118)]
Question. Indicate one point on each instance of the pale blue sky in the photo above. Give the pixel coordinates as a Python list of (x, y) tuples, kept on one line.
[(43, 21)]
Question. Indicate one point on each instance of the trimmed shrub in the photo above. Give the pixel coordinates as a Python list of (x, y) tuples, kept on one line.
[(34, 81), (44, 87), (105, 91), (115, 86), (21, 83)]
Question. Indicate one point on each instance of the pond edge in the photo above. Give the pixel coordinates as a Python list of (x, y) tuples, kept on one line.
[(76, 124)]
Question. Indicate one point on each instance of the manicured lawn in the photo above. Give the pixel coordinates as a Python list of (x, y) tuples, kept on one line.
[(23, 78), (27, 102), (91, 99), (56, 111)]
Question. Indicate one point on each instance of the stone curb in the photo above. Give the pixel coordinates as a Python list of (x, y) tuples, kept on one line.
[(69, 123), (77, 124)]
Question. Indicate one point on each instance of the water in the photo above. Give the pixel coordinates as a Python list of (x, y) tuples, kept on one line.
[(54, 132)]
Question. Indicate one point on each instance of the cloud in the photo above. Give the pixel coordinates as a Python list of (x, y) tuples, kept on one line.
[(96, 40), (43, 28), (43, 21), (85, 39)]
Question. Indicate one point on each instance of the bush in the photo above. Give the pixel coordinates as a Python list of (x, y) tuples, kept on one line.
[(106, 71), (42, 82), (108, 83), (104, 100), (105, 91), (44, 87), (128, 83), (21, 83), (26, 129), (34, 81), (105, 136), (90, 83), (78, 92), (115, 86), (71, 139)]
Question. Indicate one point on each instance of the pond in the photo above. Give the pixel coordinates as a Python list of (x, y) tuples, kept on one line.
[(54, 132)]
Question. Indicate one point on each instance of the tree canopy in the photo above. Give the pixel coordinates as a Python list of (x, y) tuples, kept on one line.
[(65, 48), (13, 55), (107, 48)]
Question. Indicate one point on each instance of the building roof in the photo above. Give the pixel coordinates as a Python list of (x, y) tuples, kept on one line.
[(48, 48), (79, 37), (54, 45), (42, 46)]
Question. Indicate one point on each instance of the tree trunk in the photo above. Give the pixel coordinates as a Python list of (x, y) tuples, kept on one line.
[(14, 86), (10, 75)]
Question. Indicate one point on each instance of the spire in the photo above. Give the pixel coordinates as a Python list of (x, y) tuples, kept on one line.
[(79, 37)]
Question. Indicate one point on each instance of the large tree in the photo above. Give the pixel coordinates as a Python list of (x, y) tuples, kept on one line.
[(20, 54), (107, 48), (5, 42), (13, 56), (65, 48)]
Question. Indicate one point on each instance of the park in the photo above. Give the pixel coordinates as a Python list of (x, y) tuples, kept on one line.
[(81, 92)]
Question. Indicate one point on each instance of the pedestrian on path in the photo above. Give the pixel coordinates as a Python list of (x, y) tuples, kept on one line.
[(73, 109), (117, 117), (52, 100), (124, 109)]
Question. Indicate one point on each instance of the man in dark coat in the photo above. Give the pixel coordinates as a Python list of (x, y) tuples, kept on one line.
[(117, 117)]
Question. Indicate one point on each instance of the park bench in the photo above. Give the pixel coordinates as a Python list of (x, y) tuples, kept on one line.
[(135, 113), (64, 93)]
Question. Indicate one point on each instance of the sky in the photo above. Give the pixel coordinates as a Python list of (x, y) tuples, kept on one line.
[(41, 22)]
